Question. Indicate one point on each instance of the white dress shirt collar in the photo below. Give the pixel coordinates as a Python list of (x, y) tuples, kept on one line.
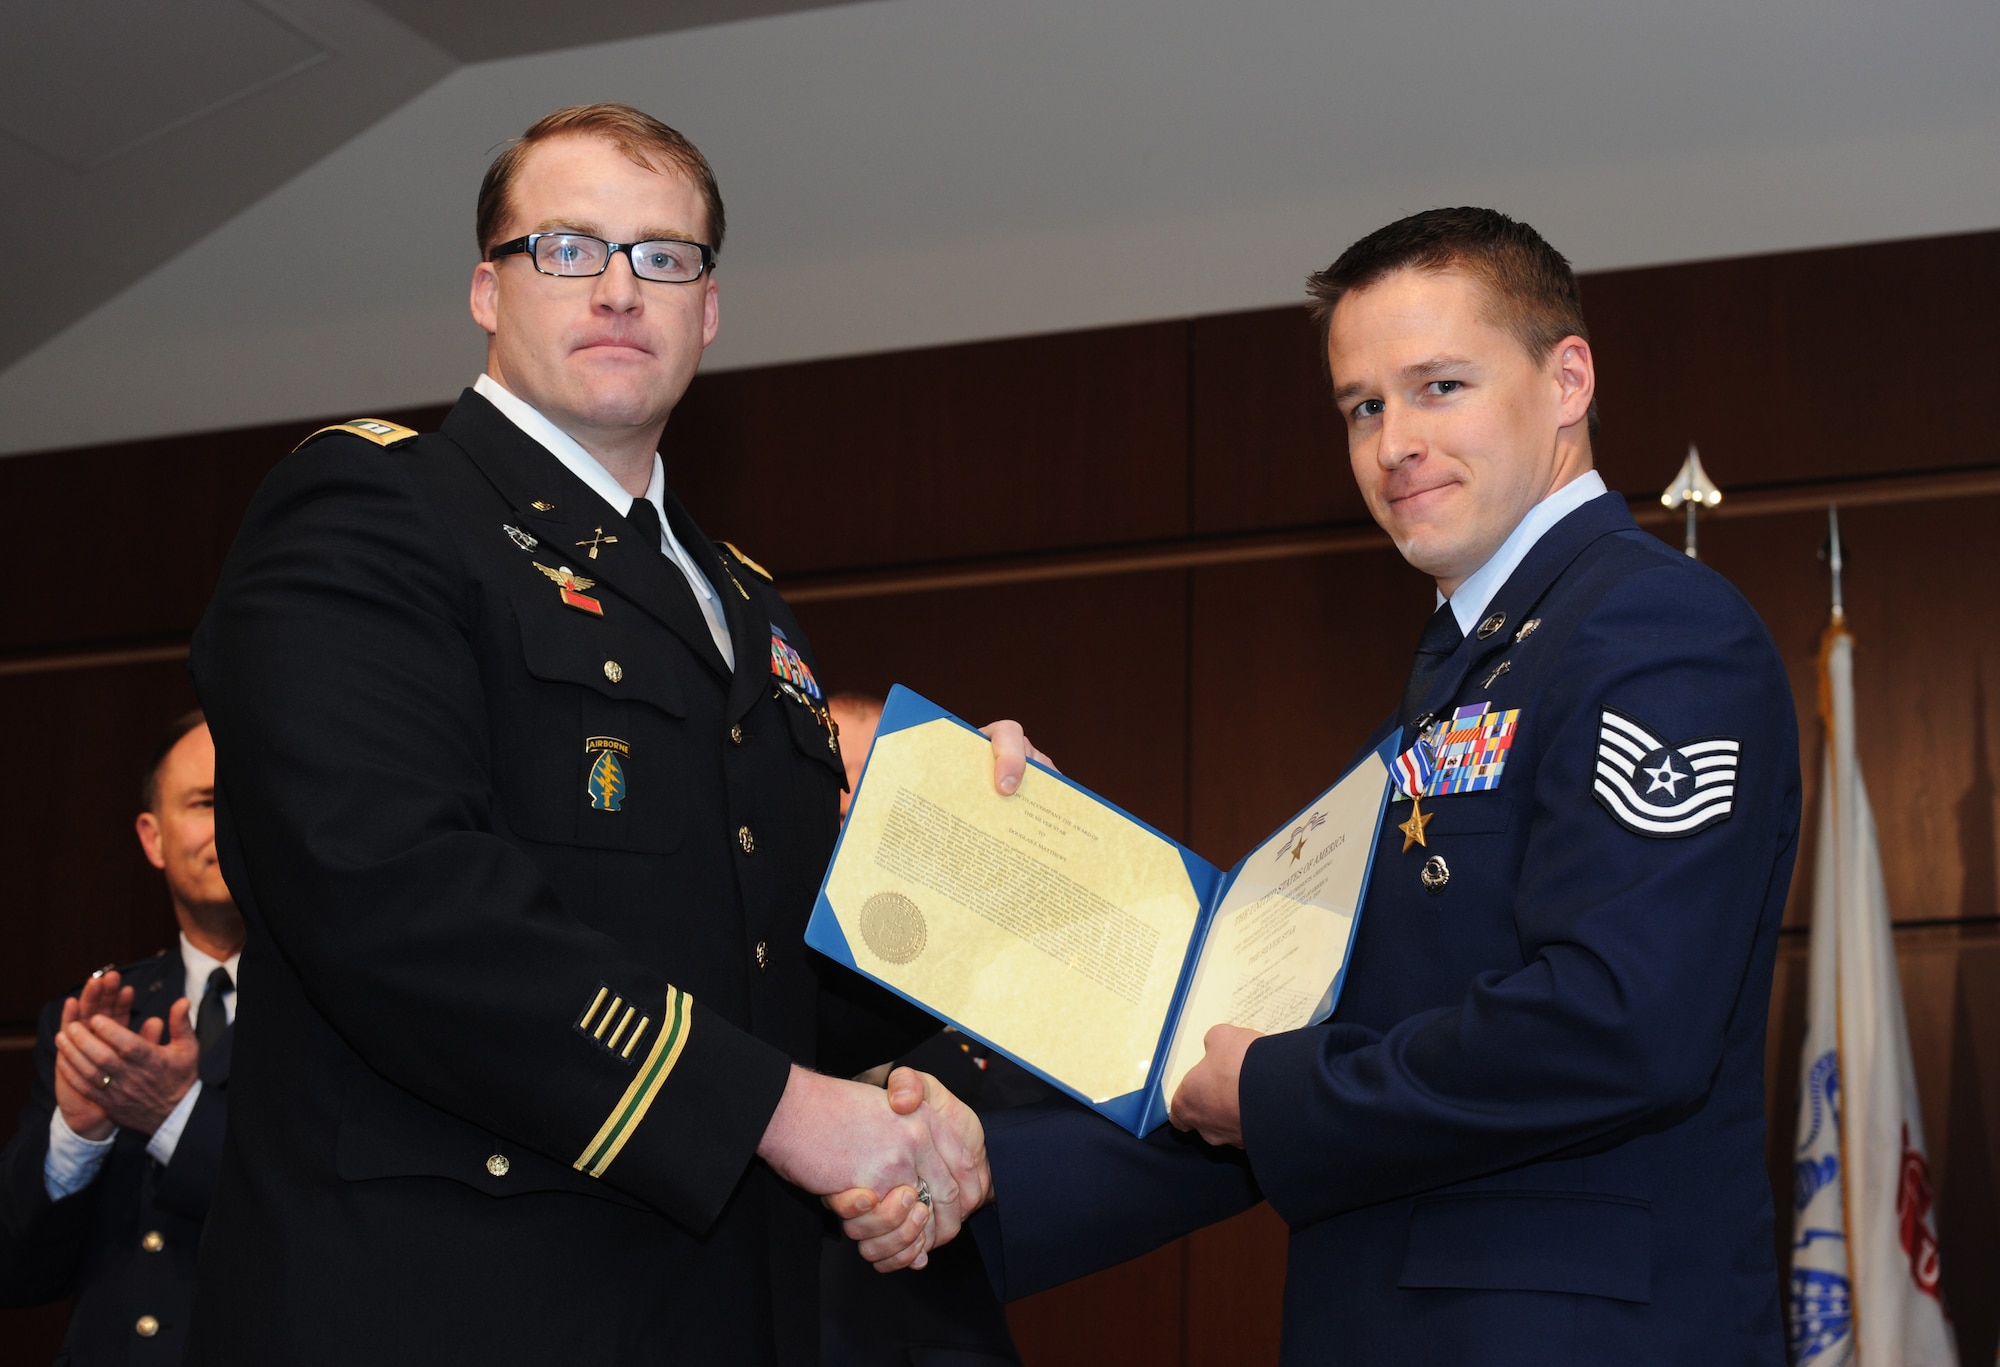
[(585, 467), (1469, 603), (198, 966)]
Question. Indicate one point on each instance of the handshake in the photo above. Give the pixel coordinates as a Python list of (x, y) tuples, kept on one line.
[(901, 1170)]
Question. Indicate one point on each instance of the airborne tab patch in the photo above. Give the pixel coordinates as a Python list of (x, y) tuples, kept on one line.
[(1659, 790)]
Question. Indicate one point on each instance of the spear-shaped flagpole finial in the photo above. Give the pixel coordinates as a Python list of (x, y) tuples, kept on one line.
[(1693, 490), (1834, 561)]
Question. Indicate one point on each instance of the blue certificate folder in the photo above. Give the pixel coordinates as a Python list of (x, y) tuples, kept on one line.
[(1281, 944)]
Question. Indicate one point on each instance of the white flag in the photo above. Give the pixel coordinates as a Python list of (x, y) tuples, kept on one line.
[(1864, 1243)]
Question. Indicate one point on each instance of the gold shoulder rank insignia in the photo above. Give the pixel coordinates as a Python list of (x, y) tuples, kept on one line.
[(755, 568), (369, 429)]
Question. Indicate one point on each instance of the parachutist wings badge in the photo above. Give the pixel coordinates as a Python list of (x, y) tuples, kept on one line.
[(1655, 789), (571, 585)]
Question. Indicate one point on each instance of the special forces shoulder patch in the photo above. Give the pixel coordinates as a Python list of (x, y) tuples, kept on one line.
[(1660, 790)]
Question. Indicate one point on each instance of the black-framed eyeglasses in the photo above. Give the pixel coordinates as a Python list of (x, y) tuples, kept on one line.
[(666, 260)]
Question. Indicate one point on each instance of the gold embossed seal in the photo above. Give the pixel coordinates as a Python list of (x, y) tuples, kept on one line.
[(893, 926)]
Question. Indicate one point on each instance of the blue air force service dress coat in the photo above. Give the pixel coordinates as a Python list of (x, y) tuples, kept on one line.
[(123, 1246), (1533, 1130), (526, 870)]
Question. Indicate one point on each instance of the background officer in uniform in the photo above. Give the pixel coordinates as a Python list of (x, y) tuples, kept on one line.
[(527, 788), (1533, 1129), (104, 1188)]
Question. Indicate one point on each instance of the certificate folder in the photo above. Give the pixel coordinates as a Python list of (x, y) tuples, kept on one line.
[(1068, 935)]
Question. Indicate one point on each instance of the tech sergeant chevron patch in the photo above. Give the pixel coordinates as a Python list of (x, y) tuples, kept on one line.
[(1660, 790)]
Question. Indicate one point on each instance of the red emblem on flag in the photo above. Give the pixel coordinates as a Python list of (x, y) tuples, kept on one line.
[(1913, 1214)]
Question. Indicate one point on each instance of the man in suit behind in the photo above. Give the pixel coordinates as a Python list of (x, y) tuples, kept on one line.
[(1533, 1129), (104, 1189)]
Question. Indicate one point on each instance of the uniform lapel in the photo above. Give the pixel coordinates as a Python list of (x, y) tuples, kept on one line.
[(565, 514), (1549, 557)]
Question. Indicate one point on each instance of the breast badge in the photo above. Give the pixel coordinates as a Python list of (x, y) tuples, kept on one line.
[(606, 784), (1659, 790), (571, 585), (519, 537)]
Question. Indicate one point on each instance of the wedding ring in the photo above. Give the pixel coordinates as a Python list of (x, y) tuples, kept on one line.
[(924, 1193), (103, 1081)]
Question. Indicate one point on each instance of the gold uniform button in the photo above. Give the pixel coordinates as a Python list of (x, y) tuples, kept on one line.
[(153, 1242), (736, 734), (746, 840), (147, 1326), (763, 953), (613, 670), (498, 1165)]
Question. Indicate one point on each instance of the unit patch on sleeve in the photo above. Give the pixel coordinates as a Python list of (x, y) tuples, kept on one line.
[(1660, 790)]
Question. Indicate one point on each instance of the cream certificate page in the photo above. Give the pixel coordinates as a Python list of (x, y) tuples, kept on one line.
[(1281, 935), (1046, 922)]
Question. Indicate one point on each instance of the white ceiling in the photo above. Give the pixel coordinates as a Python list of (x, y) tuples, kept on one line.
[(911, 172)]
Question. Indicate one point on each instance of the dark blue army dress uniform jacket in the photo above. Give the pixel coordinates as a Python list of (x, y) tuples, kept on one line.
[(1533, 1130), (526, 870), (124, 1246)]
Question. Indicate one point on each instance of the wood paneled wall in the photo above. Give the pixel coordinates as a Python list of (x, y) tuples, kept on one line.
[(1144, 542)]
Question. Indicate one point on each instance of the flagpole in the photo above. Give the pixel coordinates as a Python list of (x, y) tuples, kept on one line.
[(1836, 628), (1691, 490)]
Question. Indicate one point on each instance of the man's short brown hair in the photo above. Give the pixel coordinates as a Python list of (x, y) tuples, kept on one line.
[(1530, 288), (149, 787), (639, 135)]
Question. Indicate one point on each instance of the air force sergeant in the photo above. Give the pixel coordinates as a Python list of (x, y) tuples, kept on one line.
[(1533, 1130)]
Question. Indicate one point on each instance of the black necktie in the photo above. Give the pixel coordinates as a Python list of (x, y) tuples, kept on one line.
[(213, 1018), (645, 520), (1441, 637)]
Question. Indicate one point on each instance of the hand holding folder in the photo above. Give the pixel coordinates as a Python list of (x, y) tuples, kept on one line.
[(1066, 934)]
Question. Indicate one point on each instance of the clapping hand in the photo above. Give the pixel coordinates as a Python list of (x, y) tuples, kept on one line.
[(102, 995), (110, 1075)]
